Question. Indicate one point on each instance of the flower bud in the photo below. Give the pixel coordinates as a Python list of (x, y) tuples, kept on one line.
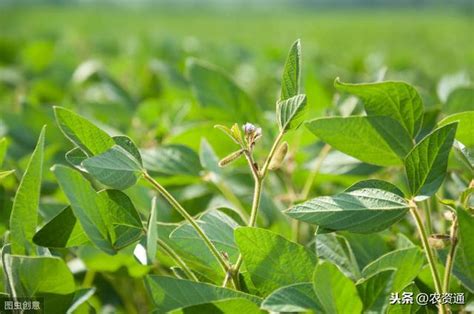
[(249, 128)]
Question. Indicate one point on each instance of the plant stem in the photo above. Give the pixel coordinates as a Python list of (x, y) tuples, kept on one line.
[(428, 251), (171, 253), (427, 210), (88, 279), (312, 176), (190, 219), (259, 176), (450, 258)]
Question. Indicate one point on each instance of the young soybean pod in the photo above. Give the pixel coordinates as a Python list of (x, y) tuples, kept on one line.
[(279, 156)]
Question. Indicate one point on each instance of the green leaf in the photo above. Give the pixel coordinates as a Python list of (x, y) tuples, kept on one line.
[(375, 291), (426, 164), (24, 215), (336, 249), (61, 231), (86, 205), (152, 234), (223, 306), (116, 168), (406, 308), (216, 90), (361, 211), (460, 99), (126, 143), (272, 260), (108, 218), (290, 83), (169, 294), (376, 184), (463, 269), (335, 292), (218, 227), (91, 139), (366, 247), (172, 160), (377, 140), (464, 155), (47, 277), (465, 130), (406, 262), (209, 159), (75, 157), (397, 100), (290, 112), (298, 297), (4, 174)]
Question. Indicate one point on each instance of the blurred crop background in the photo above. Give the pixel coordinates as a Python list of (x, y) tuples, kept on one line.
[(123, 64)]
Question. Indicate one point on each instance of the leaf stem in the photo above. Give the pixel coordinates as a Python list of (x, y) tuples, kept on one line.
[(450, 258), (171, 253), (190, 219), (428, 251)]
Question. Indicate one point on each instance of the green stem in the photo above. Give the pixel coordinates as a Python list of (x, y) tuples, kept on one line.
[(88, 279), (450, 258), (312, 176), (190, 219), (427, 210), (259, 177), (428, 251), (171, 253)]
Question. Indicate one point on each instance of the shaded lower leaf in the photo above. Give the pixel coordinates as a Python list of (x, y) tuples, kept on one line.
[(335, 292), (27, 279), (272, 260), (406, 262), (228, 306), (61, 231), (375, 291), (169, 293), (298, 297), (363, 211), (172, 160), (336, 249)]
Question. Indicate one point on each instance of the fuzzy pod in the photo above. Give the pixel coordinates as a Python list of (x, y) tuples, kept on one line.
[(279, 156), (230, 158)]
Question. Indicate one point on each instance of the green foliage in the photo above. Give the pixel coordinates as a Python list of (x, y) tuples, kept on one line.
[(171, 293), (273, 261), (335, 292), (397, 100), (139, 215), (379, 140), (362, 211), (426, 164), (24, 216)]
